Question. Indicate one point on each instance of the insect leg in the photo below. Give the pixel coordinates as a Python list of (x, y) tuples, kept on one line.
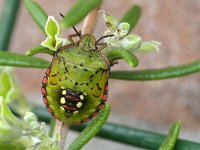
[(102, 46)]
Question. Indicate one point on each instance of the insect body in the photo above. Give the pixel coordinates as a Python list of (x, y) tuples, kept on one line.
[(75, 85)]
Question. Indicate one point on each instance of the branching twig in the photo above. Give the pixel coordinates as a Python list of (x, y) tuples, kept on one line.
[(88, 27)]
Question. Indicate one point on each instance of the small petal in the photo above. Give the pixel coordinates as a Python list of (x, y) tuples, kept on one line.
[(111, 21), (123, 29), (29, 117), (52, 27), (149, 46), (131, 42), (60, 42), (48, 43)]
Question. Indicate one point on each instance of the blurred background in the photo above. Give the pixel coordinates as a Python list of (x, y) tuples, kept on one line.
[(149, 105)]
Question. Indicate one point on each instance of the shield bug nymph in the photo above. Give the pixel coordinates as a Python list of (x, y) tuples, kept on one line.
[(75, 86)]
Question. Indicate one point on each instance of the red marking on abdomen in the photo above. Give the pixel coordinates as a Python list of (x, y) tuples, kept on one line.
[(106, 88), (43, 90), (69, 107), (45, 100), (94, 114), (101, 106), (72, 98), (44, 80), (86, 120), (104, 97), (49, 110), (48, 71)]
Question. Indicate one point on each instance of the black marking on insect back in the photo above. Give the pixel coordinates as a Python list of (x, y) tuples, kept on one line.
[(71, 100), (90, 56), (75, 66), (64, 63), (97, 71), (76, 83), (91, 76), (83, 83), (99, 86), (85, 69), (66, 69), (95, 95), (81, 64), (53, 83), (54, 75)]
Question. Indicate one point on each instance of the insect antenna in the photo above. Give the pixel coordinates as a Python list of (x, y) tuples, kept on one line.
[(78, 33), (103, 37), (62, 15)]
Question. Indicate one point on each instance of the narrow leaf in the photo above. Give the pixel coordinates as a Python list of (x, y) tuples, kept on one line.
[(120, 53), (79, 11), (7, 21), (39, 49), (38, 14), (19, 60), (91, 130), (124, 134), (157, 74), (172, 137), (132, 16), (7, 115), (149, 46), (12, 145)]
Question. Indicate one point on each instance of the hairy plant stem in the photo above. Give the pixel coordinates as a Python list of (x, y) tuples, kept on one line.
[(88, 27)]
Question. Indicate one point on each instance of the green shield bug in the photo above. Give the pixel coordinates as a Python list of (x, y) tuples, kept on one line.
[(75, 85)]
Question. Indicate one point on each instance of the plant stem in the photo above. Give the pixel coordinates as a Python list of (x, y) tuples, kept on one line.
[(62, 128), (90, 21), (124, 134), (88, 28), (157, 74)]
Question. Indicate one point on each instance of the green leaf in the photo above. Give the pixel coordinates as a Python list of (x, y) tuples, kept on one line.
[(91, 130), (38, 14), (123, 29), (51, 27), (6, 83), (172, 137), (19, 60), (8, 15), (120, 53), (157, 74), (12, 145), (131, 42), (10, 91), (111, 22), (132, 16), (49, 43), (124, 134), (39, 49), (53, 43), (149, 46), (80, 9), (8, 117)]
